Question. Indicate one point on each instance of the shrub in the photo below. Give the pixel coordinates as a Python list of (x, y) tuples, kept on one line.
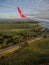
[(45, 36)]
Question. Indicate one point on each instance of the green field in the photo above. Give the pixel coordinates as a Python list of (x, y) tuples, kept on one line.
[(36, 53), (6, 26)]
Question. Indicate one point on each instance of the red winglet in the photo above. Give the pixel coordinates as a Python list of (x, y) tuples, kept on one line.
[(21, 13)]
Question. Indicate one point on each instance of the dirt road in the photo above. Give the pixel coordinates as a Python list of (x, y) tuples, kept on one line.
[(14, 47)]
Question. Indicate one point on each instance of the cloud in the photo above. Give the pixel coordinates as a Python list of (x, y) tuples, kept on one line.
[(34, 8), (7, 6), (8, 15), (41, 12)]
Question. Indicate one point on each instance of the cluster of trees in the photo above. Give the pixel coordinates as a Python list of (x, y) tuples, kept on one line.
[(6, 40)]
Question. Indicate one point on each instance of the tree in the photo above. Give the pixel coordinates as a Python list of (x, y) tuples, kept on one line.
[(45, 36), (26, 43)]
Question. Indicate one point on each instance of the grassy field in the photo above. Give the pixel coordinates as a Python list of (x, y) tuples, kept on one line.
[(7, 26), (36, 53)]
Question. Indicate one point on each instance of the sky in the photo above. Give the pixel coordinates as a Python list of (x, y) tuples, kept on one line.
[(32, 8)]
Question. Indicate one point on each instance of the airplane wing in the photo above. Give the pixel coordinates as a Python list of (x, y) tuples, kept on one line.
[(21, 13)]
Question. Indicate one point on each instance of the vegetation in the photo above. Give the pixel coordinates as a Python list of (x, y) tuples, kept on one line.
[(36, 53), (16, 32)]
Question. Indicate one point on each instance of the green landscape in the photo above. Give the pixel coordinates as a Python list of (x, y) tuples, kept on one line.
[(35, 52), (16, 32)]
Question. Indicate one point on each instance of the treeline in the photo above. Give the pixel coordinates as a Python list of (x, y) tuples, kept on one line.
[(14, 38)]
